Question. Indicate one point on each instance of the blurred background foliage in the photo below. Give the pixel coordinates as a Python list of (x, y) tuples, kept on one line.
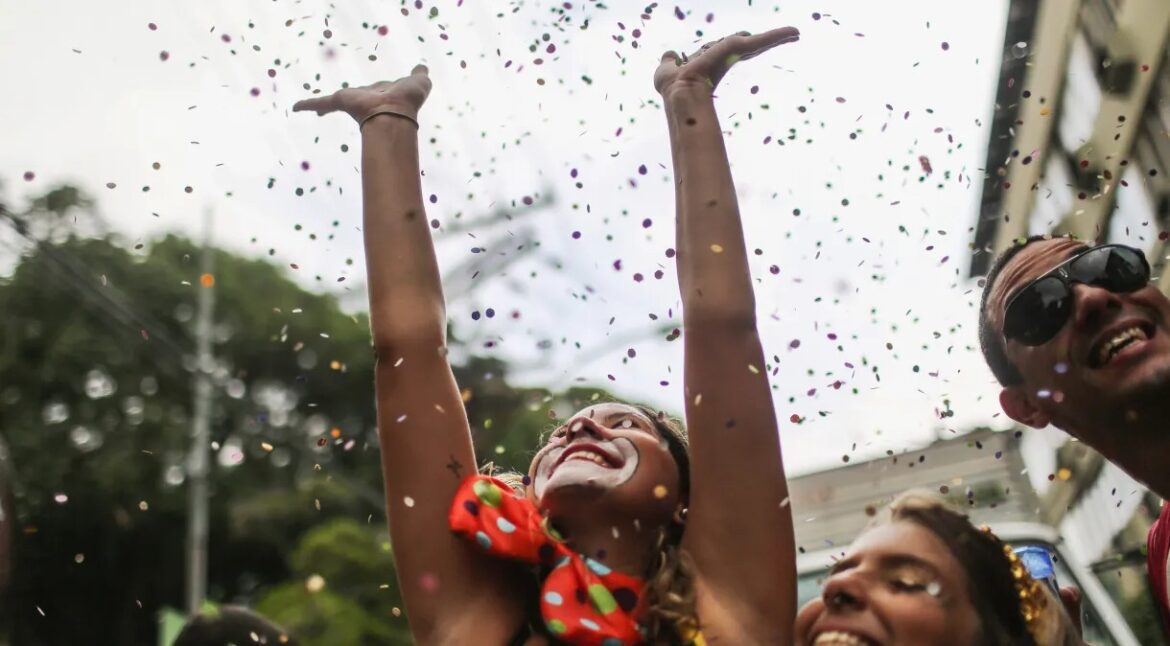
[(96, 364)]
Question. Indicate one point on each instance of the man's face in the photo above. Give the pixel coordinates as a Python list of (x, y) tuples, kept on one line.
[(1079, 380)]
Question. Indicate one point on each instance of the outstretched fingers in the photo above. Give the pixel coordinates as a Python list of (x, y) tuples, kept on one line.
[(321, 105), (744, 45), (748, 46)]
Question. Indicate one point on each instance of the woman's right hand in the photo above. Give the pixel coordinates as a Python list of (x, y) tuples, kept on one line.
[(706, 67), (404, 96)]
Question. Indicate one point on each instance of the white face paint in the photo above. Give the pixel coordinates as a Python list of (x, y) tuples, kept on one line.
[(593, 464)]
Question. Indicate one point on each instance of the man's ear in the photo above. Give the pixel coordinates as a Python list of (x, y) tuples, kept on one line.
[(1019, 406)]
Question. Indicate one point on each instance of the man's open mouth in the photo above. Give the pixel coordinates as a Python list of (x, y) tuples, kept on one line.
[(1115, 342)]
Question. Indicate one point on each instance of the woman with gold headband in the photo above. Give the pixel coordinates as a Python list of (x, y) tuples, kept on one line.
[(923, 574)]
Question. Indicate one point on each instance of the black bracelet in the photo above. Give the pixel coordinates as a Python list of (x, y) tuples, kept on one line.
[(390, 112)]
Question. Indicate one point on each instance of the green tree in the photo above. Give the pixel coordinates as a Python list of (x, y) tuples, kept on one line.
[(343, 591), (96, 358), (95, 398)]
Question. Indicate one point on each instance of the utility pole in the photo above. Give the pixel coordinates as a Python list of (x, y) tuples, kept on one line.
[(198, 461)]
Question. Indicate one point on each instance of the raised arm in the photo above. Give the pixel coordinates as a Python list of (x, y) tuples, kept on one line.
[(739, 527), (451, 592)]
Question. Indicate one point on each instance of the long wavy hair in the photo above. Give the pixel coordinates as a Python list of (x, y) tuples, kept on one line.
[(669, 596), (991, 585), (670, 593)]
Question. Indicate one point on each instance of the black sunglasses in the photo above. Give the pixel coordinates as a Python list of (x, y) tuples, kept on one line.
[(1037, 312)]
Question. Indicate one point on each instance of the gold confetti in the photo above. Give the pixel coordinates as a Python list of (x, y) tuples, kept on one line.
[(717, 248)]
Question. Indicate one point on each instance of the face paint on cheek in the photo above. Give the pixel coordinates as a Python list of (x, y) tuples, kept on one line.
[(541, 472), (585, 473)]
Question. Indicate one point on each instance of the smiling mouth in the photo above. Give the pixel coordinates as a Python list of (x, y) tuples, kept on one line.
[(839, 638), (1105, 350), (587, 454)]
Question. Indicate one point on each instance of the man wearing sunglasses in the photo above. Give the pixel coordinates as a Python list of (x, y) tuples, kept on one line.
[(1079, 338)]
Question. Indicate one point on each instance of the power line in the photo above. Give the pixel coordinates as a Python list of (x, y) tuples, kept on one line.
[(108, 299)]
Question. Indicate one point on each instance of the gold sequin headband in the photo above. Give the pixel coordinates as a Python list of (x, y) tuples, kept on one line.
[(1030, 593)]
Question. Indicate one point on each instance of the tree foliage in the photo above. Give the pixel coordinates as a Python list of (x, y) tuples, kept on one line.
[(96, 365), (344, 591)]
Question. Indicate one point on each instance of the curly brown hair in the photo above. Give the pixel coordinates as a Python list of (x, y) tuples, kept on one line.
[(670, 592)]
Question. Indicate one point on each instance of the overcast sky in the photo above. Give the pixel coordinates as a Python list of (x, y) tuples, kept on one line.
[(870, 249)]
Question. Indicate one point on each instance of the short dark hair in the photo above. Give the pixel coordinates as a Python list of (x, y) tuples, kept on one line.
[(990, 338), (232, 625)]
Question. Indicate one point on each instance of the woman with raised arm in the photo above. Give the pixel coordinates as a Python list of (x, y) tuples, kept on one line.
[(619, 534)]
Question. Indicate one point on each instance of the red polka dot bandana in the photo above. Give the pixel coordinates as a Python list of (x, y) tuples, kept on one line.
[(581, 600)]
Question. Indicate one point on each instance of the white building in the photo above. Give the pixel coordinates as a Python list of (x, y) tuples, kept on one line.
[(1080, 143)]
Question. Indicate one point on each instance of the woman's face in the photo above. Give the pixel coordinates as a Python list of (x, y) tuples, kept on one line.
[(609, 453), (897, 584)]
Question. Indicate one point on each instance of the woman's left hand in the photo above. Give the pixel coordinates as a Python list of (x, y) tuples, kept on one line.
[(706, 67), (404, 96)]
